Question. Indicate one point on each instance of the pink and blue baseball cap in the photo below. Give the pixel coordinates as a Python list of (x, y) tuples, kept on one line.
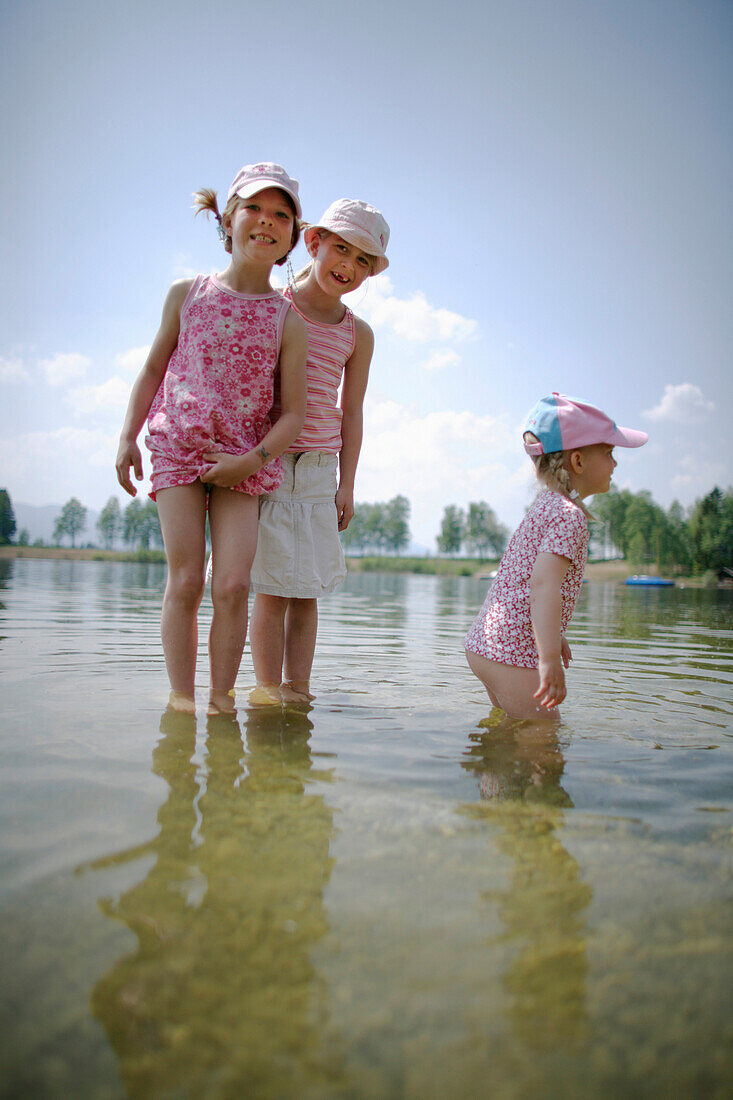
[(562, 424)]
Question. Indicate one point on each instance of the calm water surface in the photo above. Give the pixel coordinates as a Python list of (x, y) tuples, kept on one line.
[(376, 897)]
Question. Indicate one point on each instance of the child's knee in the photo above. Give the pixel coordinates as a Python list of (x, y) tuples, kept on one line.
[(230, 591), (185, 585)]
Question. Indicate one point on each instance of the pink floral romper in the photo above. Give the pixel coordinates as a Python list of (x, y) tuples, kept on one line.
[(217, 390), (502, 630)]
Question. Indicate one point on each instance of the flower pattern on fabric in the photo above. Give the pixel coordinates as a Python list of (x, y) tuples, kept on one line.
[(217, 390), (502, 630)]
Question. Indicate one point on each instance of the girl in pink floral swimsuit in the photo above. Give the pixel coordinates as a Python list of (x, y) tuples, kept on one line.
[(207, 389), (517, 646)]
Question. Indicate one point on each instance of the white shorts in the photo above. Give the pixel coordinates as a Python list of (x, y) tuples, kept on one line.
[(299, 552)]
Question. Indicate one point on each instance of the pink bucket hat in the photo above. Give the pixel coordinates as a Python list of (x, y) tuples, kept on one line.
[(358, 223), (562, 424), (257, 177)]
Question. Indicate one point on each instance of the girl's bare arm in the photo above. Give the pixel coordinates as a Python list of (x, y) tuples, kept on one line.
[(545, 602), (147, 383), (356, 376)]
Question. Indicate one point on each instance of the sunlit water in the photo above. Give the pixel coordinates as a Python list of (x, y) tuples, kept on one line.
[(375, 898)]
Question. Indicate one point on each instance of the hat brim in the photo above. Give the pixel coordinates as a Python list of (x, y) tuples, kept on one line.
[(379, 263), (262, 184), (628, 437)]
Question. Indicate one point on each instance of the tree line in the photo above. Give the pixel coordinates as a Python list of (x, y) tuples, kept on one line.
[(476, 530), (692, 541), (137, 525)]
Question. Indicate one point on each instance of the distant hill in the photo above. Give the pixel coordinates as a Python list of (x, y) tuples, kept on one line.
[(39, 521)]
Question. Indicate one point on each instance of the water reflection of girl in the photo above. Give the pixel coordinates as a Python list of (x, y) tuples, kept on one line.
[(519, 768), (220, 995)]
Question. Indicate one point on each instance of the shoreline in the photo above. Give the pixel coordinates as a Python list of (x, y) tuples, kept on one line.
[(615, 570)]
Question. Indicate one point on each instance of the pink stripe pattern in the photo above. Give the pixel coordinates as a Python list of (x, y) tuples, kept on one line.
[(329, 349)]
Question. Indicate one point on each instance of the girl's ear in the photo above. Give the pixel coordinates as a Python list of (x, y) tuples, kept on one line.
[(313, 244), (577, 462)]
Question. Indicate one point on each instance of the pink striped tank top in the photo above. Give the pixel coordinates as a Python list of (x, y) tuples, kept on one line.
[(329, 348)]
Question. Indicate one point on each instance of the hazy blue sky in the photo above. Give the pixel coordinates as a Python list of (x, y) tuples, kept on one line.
[(557, 177)]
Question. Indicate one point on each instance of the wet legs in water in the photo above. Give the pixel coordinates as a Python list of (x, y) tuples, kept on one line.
[(283, 644)]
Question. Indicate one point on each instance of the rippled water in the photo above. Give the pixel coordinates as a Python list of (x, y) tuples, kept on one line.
[(376, 897)]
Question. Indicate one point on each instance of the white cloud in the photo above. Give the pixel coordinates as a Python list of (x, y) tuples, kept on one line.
[(411, 318), (684, 404), (49, 467), (696, 476), (112, 395), (13, 370), (441, 458), (440, 359), (132, 359), (61, 368)]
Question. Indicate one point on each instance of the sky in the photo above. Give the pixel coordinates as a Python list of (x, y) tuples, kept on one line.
[(556, 175)]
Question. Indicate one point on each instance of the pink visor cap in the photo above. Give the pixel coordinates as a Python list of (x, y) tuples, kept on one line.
[(562, 424), (358, 223), (257, 177)]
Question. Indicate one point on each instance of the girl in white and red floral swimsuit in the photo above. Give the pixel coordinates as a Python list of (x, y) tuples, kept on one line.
[(517, 646), (207, 389)]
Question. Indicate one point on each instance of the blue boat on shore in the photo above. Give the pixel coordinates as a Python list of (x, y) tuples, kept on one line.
[(649, 582)]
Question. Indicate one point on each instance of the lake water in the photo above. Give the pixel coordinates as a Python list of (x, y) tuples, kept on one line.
[(375, 897)]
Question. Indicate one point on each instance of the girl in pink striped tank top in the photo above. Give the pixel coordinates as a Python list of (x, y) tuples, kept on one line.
[(206, 390), (299, 555)]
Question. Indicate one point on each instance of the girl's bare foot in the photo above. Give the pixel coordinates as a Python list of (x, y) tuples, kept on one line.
[(221, 702), (265, 695), (296, 691), (182, 702)]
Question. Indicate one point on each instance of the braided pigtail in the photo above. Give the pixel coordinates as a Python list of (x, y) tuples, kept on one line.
[(553, 473)]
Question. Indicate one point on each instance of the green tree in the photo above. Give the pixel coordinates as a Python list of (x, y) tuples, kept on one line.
[(7, 518), (711, 531), (140, 524), (71, 521), (395, 523), (609, 511), (109, 523), (131, 522), (452, 529), (379, 527), (149, 532), (484, 534), (643, 523), (675, 550), (353, 537)]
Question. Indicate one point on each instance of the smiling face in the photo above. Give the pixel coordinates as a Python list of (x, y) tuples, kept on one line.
[(261, 227), (338, 266)]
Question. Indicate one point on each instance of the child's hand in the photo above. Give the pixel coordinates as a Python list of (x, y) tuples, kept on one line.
[(344, 507), (230, 470), (565, 652), (551, 691), (127, 456)]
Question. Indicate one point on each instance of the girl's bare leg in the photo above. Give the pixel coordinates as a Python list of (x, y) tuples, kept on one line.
[(267, 638), (182, 513), (510, 688), (301, 628), (233, 523)]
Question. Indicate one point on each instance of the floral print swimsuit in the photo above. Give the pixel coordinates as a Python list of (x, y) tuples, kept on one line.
[(217, 390), (502, 630)]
